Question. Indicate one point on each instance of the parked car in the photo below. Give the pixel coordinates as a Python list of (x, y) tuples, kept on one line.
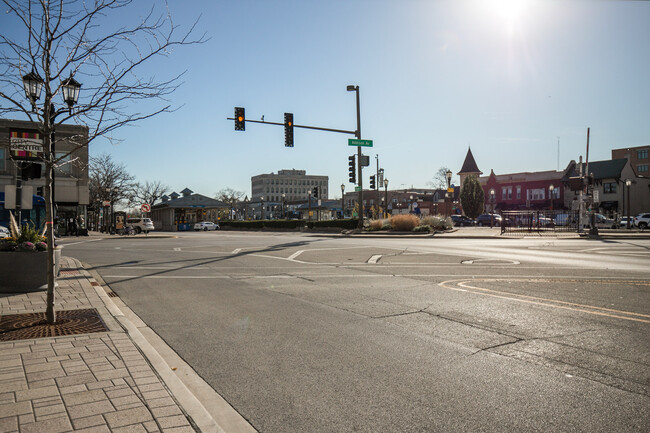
[(206, 225), (622, 222), (140, 224), (642, 220), (462, 221), (4, 232), (602, 222), (487, 218)]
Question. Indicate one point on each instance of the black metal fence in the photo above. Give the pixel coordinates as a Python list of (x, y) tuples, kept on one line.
[(539, 222)]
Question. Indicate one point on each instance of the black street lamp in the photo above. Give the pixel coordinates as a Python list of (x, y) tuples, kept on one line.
[(309, 206), (262, 208), (33, 86), (284, 196), (342, 200), (448, 198), (551, 190), (246, 208), (492, 201), (628, 183), (386, 198)]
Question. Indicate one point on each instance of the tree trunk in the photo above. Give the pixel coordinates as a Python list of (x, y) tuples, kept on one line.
[(49, 220)]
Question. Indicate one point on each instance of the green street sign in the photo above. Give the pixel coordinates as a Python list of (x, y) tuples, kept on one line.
[(362, 143), (357, 188)]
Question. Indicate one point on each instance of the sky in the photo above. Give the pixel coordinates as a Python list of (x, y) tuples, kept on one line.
[(509, 78)]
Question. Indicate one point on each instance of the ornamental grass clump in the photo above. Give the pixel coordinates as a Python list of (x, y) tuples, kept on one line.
[(375, 225), (437, 222), (404, 222)]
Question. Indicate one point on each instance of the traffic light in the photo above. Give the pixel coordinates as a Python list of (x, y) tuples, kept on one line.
[(352, 170), (288, 129), (31, 170), (372, 182), (240, 119), (315, 192)]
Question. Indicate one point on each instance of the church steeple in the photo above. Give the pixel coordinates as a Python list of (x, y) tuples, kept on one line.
[(469, 168)]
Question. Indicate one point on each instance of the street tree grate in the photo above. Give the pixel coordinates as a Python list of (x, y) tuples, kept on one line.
[(29, 326)]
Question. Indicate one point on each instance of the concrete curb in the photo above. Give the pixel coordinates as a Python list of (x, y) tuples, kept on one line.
[(179, 377)]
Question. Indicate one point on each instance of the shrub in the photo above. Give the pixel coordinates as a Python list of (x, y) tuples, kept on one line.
[(26, 246), (375, 225), (437, 222), (348, 224), (422, 228), (29, 234), (41, 246), (386, 225), (404, 222)]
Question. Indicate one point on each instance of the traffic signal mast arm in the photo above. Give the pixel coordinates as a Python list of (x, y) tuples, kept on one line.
[(342, 131)]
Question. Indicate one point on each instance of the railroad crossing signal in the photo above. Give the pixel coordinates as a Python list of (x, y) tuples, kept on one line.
[(352, 169)]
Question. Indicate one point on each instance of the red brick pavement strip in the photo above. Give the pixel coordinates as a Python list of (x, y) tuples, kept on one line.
[(89, 382)]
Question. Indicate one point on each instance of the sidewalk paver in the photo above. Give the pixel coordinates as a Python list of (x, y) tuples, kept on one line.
[(93, 382)]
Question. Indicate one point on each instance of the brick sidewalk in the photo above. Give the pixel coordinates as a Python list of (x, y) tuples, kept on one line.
[(94, 382)]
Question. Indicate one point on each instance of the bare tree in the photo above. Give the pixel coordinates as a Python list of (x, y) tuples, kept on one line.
[(109, 181), (148, 192), (230, 196), (440, 178), (104, 43)]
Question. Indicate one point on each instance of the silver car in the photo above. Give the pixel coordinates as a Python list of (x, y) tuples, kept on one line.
[(206, 225), (4, 232)]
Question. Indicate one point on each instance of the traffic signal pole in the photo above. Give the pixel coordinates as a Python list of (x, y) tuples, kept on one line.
[(359, 166), (240, 125)]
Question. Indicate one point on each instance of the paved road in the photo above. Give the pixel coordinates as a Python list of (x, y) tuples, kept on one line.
[(303, 333)]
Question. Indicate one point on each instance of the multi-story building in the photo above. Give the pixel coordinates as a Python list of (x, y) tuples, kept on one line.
[(294, 184), (21, 139), (638, 157)]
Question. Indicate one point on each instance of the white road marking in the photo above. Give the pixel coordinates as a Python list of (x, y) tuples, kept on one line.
[(374, 259), (296, 254), (177, 249), (236, 251)]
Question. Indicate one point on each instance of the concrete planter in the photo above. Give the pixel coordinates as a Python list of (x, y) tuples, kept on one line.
[(25, 271)]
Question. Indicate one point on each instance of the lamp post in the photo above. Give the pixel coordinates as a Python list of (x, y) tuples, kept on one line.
[(262, 208), (352, 88), (246, 208), (33, 85), (386, 198), (284, 196), (551, 189), (309, 205), (492, 200), (411, 203), (628, 183), (342, 200), (448, 198)]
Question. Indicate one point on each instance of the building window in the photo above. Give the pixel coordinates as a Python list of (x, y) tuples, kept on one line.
[(609, 188), (642, 154), (64, 165), (518, 192), (2, 160), (536, 194), (506, 193), (642, 168)]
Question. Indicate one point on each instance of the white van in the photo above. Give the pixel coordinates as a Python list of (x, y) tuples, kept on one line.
[(140, 224)]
